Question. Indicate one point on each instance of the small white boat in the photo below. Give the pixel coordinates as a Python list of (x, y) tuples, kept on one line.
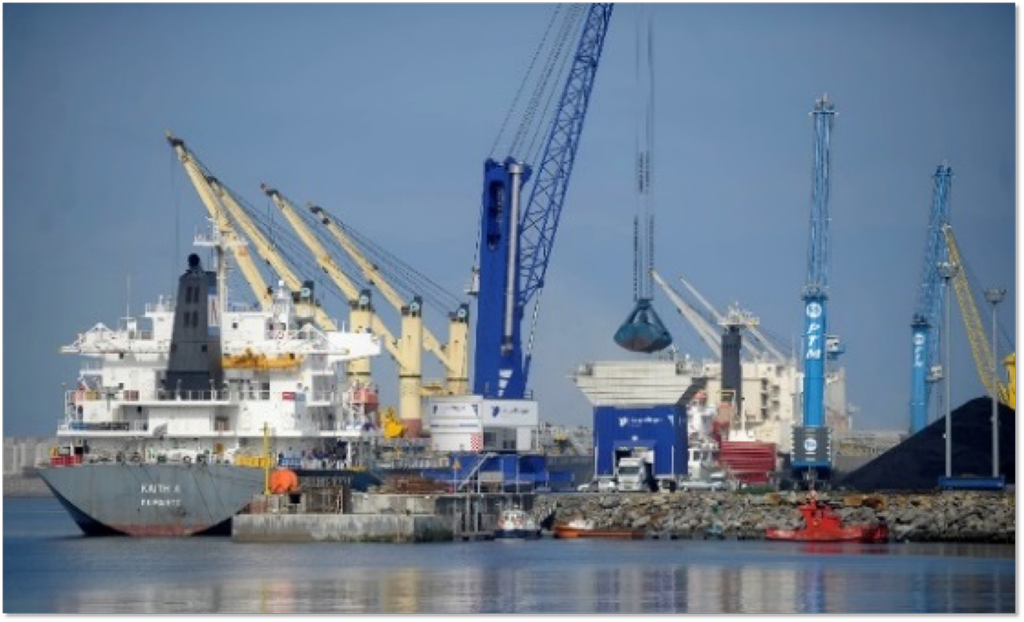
[(516, 523)]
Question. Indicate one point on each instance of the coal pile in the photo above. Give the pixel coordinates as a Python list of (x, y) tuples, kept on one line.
[(918, 462)]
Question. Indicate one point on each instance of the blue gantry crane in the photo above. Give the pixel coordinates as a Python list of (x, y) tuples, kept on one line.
[(925, 368), (811, 457), (516, 242)]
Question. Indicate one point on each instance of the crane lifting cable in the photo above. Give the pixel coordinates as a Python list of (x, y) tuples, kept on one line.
[(526, 79), (287, 244), (643, 330), (543, 79), (404, 277), (286, 241)]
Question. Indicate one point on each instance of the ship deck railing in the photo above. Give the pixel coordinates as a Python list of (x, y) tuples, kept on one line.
[(164, 305), (72, 425), (207, 395), (134, 396)]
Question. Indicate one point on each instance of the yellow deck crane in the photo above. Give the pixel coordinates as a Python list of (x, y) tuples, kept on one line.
[(454, 356), (219, 214), (1005, 393), (267, 252), (226, 211), (407, 350)]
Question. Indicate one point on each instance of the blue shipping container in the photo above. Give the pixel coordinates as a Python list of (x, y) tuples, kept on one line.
[(659, 428)]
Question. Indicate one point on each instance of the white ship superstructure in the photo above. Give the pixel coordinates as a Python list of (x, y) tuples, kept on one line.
[(278, 372)]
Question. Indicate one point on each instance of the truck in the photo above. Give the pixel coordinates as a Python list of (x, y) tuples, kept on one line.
[(633, 474)]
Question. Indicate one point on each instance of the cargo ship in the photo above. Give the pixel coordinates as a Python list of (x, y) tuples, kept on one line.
[(173, 427)]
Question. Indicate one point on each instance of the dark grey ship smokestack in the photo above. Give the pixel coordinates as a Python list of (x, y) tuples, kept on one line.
[(195, 360), (732, 370)]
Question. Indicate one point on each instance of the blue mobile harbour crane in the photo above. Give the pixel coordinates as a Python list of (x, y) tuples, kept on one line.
[(515, 240), (513, 250), (925, 368), (812, 451)]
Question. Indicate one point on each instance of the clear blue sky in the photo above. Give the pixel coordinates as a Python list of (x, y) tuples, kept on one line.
[(384, 114)]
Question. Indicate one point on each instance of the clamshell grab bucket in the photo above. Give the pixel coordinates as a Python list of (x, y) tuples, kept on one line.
[(643, 331)]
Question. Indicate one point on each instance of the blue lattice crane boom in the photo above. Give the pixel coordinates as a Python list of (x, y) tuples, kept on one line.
[(815, 293), (516, 244), (930, 301), (811, 446)]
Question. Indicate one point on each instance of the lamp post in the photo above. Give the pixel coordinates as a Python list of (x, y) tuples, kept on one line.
[(946, 270), (995, 296)]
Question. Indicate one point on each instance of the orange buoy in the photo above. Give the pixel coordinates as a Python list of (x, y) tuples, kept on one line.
[(283, 481)]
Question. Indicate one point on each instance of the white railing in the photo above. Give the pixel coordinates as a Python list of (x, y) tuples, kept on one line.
[(351, 423), (209, 395), (162, 305), (77, 425), (75, 398)]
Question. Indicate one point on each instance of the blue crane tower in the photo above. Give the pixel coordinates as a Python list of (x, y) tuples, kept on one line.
[(811, 456), (515, 243), (930, 301)]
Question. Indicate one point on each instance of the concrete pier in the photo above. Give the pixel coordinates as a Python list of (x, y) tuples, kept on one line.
[(340, 528), (22, 455), (376, 518)]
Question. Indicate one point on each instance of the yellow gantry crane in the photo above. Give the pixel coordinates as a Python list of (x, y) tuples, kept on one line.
[(1005, 393), (407, 350)]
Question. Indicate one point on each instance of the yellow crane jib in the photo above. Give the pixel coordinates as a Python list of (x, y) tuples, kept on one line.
[(265, 249), (1010, 362), (406, 351), (197, 175), (983, 358), (453, 356)]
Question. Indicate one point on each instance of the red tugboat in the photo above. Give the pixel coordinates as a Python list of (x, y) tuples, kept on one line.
[(822, 524)]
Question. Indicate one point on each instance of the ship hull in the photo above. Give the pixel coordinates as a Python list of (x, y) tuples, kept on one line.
[(845, 534), (822, 524), (565, 532), (517, 534), (153, 499)]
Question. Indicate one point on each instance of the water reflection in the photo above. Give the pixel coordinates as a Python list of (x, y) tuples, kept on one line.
[(51, 568), (787, 581)]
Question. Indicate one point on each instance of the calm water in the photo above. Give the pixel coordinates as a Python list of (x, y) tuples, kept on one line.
[(49, 567)]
